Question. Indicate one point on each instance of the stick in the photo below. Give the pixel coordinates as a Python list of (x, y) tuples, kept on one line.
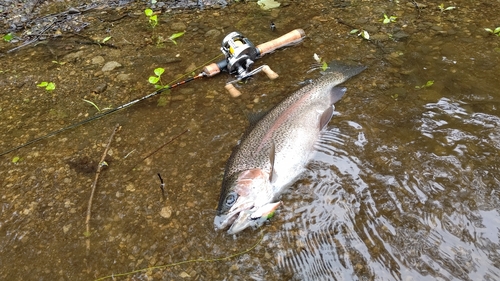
[(94, 184)]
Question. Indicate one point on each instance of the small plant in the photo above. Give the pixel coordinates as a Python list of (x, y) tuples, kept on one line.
[(95, 105), (59, 62), (153, 19), (443, 9), (324, 65), (362, 33), (496, 31), (426, 85), (156, 80), (49, 86), (8, 37), (175, 36), (387, 19), (16, 159), (106, 39), (99, 42)]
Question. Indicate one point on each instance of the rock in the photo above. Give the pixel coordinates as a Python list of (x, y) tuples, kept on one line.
[(66, 228), (379, 37), (400, 35), (123, 77), (213, 33), (98, 60), (110, 65), (100, 88), (72, 56), (166, 212), (178, 26), (371, 28)]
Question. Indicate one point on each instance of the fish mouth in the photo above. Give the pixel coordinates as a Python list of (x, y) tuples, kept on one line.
[(233, 220), (236, 221), (242, 219)]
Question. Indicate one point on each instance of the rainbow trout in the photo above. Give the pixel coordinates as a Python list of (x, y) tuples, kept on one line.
[(272, 154)]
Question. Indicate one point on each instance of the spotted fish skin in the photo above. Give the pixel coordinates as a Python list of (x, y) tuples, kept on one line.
[(277, 148)]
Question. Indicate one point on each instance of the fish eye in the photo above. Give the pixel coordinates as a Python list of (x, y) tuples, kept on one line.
[(231, 198)]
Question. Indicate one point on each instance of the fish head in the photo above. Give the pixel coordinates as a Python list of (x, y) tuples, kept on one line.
[(242, 203)]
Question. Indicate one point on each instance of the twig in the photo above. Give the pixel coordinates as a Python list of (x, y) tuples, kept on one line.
[(94, 184)]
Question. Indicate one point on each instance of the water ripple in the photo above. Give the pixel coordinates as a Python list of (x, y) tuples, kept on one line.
[(422, 210)]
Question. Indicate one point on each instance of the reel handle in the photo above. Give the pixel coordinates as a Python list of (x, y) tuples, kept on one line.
[(232, 90), (291, 37), (269, 72)]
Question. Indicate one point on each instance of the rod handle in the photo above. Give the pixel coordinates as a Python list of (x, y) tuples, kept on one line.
[(289, 38), (232, 90)]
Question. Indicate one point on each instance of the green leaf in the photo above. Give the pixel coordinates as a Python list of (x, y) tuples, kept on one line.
[(489, 30), (51, 86), (159, 71), (8, 37), (497, 30), (176, 35), (365, 35), (450, 8), (106, 39), (153, 21), (95, 105), (429, 83), (386, 20), (15, 159), (148, 12), (354, 31), (324, 66), (43, 84), (153, 79)]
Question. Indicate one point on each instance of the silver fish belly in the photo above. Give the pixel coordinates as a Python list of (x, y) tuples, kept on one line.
[(273, 153)]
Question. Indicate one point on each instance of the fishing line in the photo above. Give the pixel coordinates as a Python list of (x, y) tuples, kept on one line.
[(113, 110), (185, 262)]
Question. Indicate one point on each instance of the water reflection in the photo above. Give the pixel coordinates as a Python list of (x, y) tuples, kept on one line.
[(432, 213)]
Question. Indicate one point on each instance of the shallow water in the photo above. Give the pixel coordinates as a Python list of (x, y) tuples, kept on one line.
[(404, 185)]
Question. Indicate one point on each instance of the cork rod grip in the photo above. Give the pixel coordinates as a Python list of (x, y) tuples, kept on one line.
[(289, 38)]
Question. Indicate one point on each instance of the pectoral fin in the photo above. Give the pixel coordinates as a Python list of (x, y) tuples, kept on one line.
[(325, 117), (335, 95)]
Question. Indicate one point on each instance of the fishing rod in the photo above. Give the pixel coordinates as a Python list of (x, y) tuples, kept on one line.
[(239, 56)]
